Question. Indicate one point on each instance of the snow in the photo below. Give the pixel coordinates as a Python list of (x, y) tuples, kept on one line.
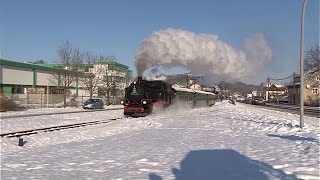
[(222, 142), (49, 110)]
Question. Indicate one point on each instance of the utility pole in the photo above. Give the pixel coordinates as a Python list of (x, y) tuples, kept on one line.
[(187, 78), (268, 80), (301, 64), (294, 88)]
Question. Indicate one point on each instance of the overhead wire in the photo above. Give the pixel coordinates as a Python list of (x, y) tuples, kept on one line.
[(280, 78)]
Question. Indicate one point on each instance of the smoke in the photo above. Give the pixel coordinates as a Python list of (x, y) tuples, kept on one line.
[(203, 54)]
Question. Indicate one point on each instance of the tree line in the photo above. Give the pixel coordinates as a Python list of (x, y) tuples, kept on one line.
[(74, 60)]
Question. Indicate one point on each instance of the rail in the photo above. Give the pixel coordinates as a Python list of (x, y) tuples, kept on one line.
[(55, 128), (313, 111), (53, 113)]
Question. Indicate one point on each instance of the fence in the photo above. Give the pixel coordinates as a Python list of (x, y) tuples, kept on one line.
[(32, 101), (38, 100)]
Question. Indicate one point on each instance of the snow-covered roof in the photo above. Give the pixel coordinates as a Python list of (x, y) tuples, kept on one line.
[(179, 88)]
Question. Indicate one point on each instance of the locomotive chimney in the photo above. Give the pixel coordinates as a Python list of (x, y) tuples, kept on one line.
[(139, 78)]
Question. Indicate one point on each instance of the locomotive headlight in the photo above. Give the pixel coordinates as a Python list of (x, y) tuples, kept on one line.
[(121, 102), (144, 102)]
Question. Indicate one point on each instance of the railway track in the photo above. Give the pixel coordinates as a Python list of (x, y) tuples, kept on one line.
[(308, 111), (54, 128), (54, 113)]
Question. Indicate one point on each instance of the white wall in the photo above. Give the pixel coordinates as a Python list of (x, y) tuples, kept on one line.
[(81, 92), (44, 77), (16, 76), (0, 73)]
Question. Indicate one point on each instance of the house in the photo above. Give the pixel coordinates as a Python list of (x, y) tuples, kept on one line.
[(275, 91), (311, 89)]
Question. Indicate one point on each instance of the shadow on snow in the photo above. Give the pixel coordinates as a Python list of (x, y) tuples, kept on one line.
[(223, 164), (294, 138)]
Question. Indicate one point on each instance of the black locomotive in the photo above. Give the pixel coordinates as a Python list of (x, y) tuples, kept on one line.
[(142, 95)]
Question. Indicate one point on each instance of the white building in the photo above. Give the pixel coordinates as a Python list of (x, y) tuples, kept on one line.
[(28, 83)]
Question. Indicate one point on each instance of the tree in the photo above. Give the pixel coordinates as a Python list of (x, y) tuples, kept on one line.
[(71, 61), (312, 58), (100, 81), (93, 78), (39, 61), (107, 77)]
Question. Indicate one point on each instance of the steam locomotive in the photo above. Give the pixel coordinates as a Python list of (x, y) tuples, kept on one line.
[(142, 95)]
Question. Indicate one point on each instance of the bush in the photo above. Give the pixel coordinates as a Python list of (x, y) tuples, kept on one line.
[(72, 103), (7, 104)]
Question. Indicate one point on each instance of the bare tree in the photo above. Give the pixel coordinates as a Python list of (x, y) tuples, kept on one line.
[(99, 80), (94, 78), (39, 61), (71, 61), (107, 78), (312, 59)]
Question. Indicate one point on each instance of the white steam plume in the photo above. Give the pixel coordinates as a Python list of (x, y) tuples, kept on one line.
[(203, 54)]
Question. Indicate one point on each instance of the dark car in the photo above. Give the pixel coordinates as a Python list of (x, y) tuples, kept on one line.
[(258, 101), (248, 101), (93, 104)]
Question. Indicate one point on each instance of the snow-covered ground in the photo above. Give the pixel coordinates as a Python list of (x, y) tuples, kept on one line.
[(50, 110), (222, 142)]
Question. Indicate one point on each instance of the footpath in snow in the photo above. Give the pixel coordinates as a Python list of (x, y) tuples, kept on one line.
[(223, 142)]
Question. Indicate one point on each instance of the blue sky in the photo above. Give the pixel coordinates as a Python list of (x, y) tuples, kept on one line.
[(34, 29)]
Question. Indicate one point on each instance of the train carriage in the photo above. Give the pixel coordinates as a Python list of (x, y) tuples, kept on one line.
[(194, 97)]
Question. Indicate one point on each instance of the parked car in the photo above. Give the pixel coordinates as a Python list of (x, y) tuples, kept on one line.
[(93, 104), (258, 101), (283, 100), (248, 101), (315, 103), (240, 99)]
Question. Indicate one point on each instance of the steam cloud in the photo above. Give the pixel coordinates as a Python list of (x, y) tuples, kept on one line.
[(202, 54)]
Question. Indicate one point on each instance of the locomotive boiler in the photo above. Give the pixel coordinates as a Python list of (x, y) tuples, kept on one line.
[(142, 95)]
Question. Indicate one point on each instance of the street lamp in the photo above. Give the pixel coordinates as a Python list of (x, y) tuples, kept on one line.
[(187, 78), (301, 64)]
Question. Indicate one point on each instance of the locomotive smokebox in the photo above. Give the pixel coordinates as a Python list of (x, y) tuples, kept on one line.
[(139, 78)]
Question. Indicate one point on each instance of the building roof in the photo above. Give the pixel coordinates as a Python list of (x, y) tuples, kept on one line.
[(113, 63), (308, 75), (37, 67)]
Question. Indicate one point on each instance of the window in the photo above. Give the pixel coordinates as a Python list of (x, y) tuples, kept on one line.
[(315, 90), (318, 78), (17, 89)]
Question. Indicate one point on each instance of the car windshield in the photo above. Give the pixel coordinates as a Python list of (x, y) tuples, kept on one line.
[(93, 100)]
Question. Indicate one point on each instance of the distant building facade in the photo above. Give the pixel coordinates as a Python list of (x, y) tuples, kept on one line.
[(275, 91), (20, 80), (311, 89), (30, 84), (113, 78), (17, 77)]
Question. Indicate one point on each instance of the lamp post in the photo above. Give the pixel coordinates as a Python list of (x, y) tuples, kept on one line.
[(187, 78), (301, 64)]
